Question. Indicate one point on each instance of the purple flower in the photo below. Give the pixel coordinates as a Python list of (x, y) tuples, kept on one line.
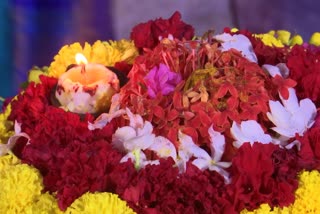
[(161, 79)]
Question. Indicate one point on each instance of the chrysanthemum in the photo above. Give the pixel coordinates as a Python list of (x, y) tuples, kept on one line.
[(20, 186), (266, 209), (106, 53), (8, 160), (5, 125), (45, 203), (307, 195), (92, 203)]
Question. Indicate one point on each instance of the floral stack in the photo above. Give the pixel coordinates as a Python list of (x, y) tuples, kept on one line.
[(167, 122)]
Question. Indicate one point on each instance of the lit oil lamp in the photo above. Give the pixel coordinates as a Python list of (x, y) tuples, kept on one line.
[(86, 87)]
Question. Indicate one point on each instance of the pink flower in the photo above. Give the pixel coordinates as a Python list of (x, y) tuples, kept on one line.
[(161, 79)]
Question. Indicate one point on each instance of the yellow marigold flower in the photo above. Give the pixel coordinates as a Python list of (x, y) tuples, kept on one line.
[(296, 40), (315, 39), (106, 53), (284, 36), (20, 185), (6, 127), (8, 160), (266, 209), (234, 30), (280, 38), (45, 203), (35, 72), (307, 195), (269, 40), (92, 203)]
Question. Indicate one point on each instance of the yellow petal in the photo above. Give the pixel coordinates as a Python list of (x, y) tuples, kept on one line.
[(315, 39)]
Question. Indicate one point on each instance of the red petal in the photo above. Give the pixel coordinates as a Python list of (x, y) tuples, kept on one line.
[(173, 114)]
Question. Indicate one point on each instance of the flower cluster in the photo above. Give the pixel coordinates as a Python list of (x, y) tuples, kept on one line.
[(225, 123)]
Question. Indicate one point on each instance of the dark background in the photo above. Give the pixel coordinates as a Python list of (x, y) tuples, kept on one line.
[(33, 31)]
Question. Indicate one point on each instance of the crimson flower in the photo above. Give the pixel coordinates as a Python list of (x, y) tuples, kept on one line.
[(147, 35), (256, 179)]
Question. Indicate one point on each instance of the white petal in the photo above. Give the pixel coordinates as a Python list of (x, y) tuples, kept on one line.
[(4, 148), (279, 115), (309, 110), (284, 70), (164, 148), (121, 135), (202, 164), (185, 140), (237, 134), (136, 120), (251, 129), (291, 104), (272, 70), (147, 128), (223, 164), (238, 144), (139, 142), (217, 144), (197, 152), (286, 132), (104, 119)]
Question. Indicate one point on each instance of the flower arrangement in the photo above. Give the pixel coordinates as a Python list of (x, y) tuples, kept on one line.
[(225, 123)]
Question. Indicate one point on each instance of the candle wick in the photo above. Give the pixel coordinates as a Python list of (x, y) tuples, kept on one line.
[(84, 73), (83, 69)]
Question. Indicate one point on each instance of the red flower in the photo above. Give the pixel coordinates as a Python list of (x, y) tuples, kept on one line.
[(283, 85), (30, 105), (256, 179), (147, 35), (310, 149), (304, 66), (160, 189)]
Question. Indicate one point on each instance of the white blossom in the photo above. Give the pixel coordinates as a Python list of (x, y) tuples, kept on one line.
[(238, 42), (248, 131), (291, 117)]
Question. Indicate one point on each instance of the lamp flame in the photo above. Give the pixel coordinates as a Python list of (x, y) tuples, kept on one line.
[(81, 59)]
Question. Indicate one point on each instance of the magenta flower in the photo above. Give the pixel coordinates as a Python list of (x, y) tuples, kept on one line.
[(161, 79)]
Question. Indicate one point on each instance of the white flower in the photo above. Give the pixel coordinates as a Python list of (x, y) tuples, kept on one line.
[(164, 148), (291, 117), (280, 69), (134, 138), (203, 160), (248, 131), (5, 148), (238, 42), (139, 159), (213, 162), (187, 149)]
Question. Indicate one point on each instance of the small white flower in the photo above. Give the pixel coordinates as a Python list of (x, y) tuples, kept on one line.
[(139, 159), (213, 162), (238, 42), (292, 117), (280, 69), (5, 148), (134, 138), (203, 160), (164, 148), (248, 131)]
